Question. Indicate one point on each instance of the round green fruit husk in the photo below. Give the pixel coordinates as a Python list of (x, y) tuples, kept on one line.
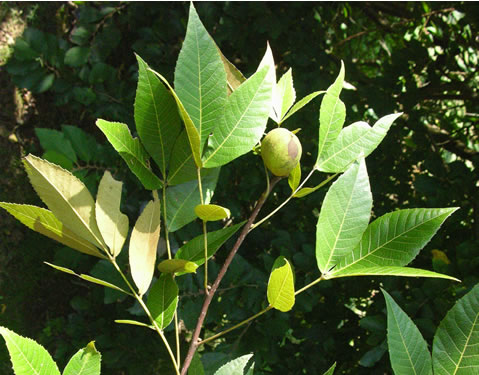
[(281, 151)]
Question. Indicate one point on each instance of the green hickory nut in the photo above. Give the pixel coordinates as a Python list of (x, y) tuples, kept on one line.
[(281, 151)]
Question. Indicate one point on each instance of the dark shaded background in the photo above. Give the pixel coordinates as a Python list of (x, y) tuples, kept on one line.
[(417, 58)]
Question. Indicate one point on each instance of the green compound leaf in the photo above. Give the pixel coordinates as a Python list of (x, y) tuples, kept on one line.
[(212, 212), (284, 96), (88, 278), (294, 177), (456, 343), (332, 114), (143, 245), (156, 116), (304, 101), (177, 266), (407, 348), (113, 224), (244, 118), (182, 165), (235, 367), (394, 239), (66, 196), (182, 199), (44, 222), (387, 271), (200, 78), (86, 361), (194, 250), (131, 150), (191, 131), (27, 356), (344, 216), (353, 141), (281, 285), (162, 300)]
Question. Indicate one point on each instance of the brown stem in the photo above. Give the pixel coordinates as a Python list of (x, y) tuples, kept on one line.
[(209, 297)]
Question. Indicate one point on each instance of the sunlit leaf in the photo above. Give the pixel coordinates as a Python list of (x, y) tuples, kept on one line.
[(233, 76), (330, 370), (113, 225), (394, 239), (353, 141), (294, 177), (27, 356), (387, 271), (284, 96), (86, 361), (300, 104), (66, 196), (200, 78), (156, 116), (281, 285), (244, 119), (88, 278), (332, 114), (344, 216), (456, 343), (235, 367), (131, 150), (43, 221), (177, 265), (162, 300), (143, 245), (407, 348), (212, 212)]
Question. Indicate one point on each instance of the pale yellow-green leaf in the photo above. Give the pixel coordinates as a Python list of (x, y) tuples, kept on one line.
[(211, 212), (193, 134), (112, 224), (88, 278), (43, 221), (66, 196), (101, 282), (62, 269), (284, 96), (134, 323), (281, 285), (143, 244), (177, 265), (295, 177), (303, 192)]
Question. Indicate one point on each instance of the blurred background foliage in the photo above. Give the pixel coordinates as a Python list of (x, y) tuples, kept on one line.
[(63, 65)]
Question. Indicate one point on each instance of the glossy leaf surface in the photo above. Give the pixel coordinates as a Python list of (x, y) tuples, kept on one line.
[(394, 239), (162, 300), (456, 343), (407, 348), (344, 216), (200, 78), (235, 367), (156, 116), (352, 142), (131, 150), (332, 114)]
